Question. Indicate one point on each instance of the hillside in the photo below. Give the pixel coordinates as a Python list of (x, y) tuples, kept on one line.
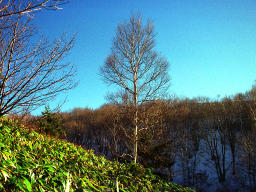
[(33, 162)]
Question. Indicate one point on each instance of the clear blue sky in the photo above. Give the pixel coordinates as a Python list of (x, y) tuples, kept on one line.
[(210, 44)]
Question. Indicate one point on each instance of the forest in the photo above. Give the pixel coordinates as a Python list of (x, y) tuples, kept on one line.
[(197, 142)]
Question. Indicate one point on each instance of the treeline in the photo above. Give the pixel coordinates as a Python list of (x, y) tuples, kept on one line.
[(188, 132), (199, 141)]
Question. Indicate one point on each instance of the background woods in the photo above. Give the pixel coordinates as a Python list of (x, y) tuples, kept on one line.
[(195, 142)]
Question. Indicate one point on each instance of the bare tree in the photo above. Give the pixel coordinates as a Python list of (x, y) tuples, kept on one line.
[(32, 73), (247, 143), (135, 67), (21, 7)]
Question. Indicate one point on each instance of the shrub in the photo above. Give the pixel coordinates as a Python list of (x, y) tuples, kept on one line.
[(50, 123), (30, 161)]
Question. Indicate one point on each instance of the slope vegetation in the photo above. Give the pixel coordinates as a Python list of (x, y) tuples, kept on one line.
[(30, 161)]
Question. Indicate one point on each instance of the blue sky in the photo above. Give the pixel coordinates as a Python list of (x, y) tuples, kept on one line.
[(210, 44)]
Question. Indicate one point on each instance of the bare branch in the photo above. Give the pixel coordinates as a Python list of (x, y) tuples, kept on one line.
[(18, 7), (32, 74)]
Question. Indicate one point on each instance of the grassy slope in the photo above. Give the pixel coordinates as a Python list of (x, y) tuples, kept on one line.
[(33, 162)]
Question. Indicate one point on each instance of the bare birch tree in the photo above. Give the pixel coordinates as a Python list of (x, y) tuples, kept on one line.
[(135, 67), (32, 72)]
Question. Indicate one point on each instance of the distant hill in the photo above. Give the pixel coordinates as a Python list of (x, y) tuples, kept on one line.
[(30, 161)]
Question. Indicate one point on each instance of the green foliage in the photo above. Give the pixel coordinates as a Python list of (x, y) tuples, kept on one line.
[(50, 123), (30, 161)]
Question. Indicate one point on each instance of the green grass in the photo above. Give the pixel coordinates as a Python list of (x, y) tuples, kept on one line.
[(30, 161)]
